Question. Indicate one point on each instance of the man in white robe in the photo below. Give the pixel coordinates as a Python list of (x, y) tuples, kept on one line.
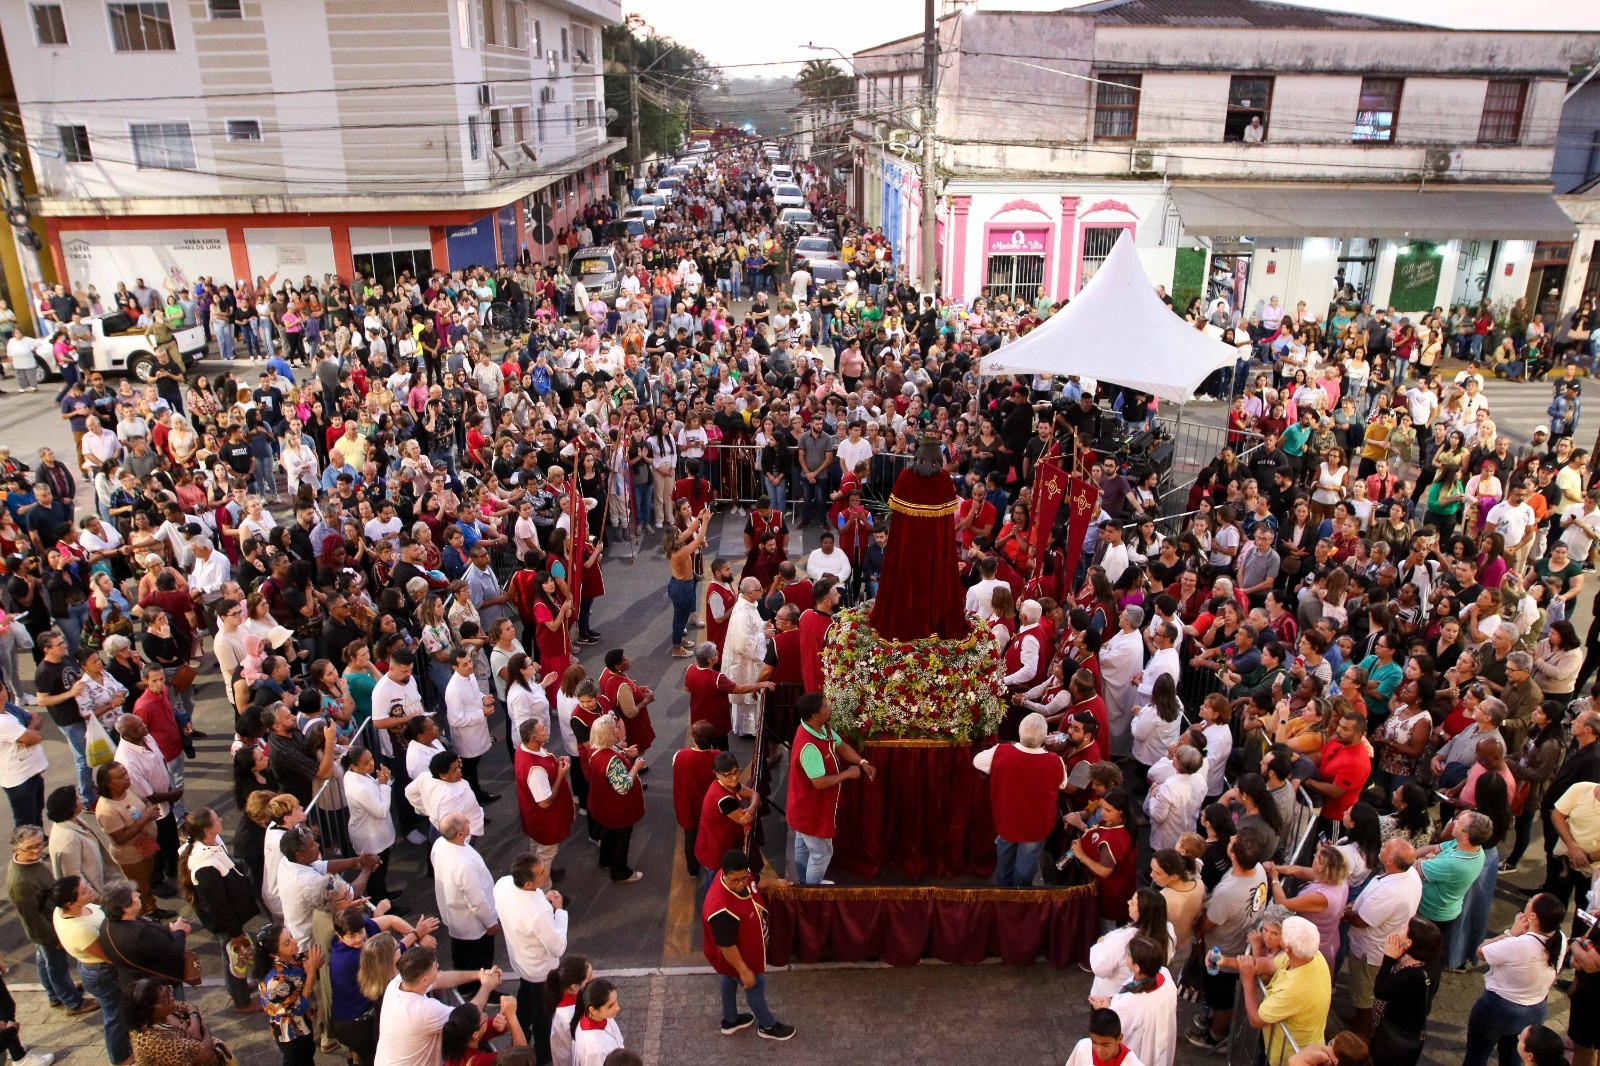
[(744, 651), (1121, 660)]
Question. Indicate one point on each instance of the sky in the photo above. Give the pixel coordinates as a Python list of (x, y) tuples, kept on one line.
[(725, 32)]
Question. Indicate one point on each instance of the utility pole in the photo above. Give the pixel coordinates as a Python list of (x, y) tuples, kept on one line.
[(930, 71), (27, 241), (635, 144)]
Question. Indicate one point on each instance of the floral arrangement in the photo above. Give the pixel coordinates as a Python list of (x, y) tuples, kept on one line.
[(930, 689)]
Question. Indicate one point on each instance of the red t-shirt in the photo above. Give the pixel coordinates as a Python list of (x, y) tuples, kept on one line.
[(1348, 768)]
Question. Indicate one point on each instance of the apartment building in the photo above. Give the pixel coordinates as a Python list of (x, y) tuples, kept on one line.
[(247, 138), (1252, 149)]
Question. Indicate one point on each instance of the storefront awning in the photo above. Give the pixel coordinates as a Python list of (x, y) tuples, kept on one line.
[(1354, 211)]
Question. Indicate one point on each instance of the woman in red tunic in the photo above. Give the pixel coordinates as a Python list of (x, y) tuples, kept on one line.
[(616, 797), (1107, 851), (551, 617)]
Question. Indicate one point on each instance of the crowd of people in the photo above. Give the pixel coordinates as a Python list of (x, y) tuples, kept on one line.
[(385, 546)]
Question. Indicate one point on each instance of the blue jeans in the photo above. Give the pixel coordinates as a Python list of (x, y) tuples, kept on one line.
[(1475, 347), (263, 477), (815, 507), (175, 774), (777, 492), (27, 801), (55, 973), (71, 626), (79, 744), (755, 995), (1467, 931), (1497, 1022), (1015, 864), (681, 592), (224, 333), (643, 504), (100, 981), (811, 858)]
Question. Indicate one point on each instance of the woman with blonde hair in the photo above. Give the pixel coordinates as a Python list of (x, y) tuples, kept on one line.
[(286, 813), (1321, 899), (616, 797), (1002, 617)]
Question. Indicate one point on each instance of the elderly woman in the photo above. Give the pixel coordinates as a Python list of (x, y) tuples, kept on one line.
[(616, 796), (130, 821), (139, 947), (103, 694), (166, 1031), (1321, 899)]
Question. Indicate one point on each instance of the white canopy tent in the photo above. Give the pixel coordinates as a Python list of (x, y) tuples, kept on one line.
[(1118, 330)]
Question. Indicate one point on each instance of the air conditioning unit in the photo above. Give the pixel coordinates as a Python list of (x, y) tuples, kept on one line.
[(1438, 162), (486, 96), (547, 95), (900, 138), (1144, 161)]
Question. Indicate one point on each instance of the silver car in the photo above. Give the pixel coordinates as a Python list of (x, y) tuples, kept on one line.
[(822, 256), (598, 269)]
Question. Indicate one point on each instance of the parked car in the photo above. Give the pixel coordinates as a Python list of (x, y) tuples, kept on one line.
[(120, 346), (598, 269)]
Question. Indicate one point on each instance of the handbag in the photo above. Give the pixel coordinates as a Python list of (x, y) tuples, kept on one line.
[(1519, 798), (1192, 978), (97, 743), (191, 965), (182, 678), (1393, 1045)]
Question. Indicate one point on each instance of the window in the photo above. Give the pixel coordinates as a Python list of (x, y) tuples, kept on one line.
[(1356, 269), (244, 129), (536, 39), (568, 120), (75, 144), (1378, 110), (464, 22), (1097, 244), (538, 123), (162, 146), (1502, 112), (514, 17), (226, 9), (582, 40), (496, 129), (519, 118), (566, 54), (1116, 107), (1017, 276), (588, 113), (473, 148), (141, 28), (49, 24), (1249, 98), (487, 7)]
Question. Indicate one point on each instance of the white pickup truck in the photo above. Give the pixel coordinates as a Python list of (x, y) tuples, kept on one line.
[(124, 348)]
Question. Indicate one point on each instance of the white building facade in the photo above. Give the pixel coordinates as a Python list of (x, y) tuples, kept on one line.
[(247, 138), (1251, 150)]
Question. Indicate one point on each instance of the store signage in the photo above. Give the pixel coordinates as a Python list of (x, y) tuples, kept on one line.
[(1022, 241)]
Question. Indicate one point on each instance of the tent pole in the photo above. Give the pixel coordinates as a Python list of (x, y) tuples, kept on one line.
[(1177, 434)]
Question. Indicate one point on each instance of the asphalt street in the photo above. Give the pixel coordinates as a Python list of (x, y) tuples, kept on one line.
[(647, 932)]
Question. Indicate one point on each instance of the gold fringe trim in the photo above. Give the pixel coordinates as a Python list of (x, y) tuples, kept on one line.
[(909, 742), (930, 894), (922, 510)]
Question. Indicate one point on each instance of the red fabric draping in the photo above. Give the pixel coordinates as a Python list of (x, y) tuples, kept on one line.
[(919, 592), (927, 814), (902, 926)]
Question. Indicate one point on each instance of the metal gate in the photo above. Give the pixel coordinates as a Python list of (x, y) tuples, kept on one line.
[(1018, 276)]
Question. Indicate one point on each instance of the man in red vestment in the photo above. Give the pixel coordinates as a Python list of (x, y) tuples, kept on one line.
[(814, 632), (793, 588), (733, 935), (726, 809), (1024, 783), (1086, 700), (544, 793), (720, 595), (819, 762), (709, 689), (692, 774), (1028, 656)]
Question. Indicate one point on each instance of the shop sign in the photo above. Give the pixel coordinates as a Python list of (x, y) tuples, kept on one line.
[(1021, 241)]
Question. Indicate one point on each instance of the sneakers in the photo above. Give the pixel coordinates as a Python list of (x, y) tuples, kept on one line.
[(1207, 1042), (742, 1021), (37, 1058), (777, 1031), (637, 875)]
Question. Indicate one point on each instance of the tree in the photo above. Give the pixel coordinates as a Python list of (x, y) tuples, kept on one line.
[(823, 85), (672, 78)]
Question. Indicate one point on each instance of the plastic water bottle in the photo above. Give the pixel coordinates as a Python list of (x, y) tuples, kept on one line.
[(1214, 961)]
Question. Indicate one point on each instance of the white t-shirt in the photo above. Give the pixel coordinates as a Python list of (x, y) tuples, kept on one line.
[(18, 763), (852, 452), (1519, 969), (409, 1026), (384, 694), (1511, 521), (1385, 905)]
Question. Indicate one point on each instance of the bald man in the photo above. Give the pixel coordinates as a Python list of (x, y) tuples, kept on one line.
[(464, 890)]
